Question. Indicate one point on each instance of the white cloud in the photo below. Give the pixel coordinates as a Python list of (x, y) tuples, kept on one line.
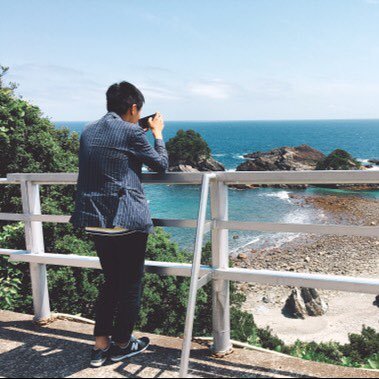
[(213, 89), (158, 92)]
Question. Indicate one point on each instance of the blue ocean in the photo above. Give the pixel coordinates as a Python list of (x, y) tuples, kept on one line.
[(229, 141)]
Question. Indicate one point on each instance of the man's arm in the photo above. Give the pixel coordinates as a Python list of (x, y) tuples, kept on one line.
[(156, 158)]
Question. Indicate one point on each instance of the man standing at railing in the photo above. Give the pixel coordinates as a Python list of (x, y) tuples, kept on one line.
[(110, 204)]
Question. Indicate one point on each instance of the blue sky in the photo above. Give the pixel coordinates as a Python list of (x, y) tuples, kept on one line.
[(197, 60)]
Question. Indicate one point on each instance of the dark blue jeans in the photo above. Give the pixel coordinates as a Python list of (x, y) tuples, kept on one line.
[(122, 259)]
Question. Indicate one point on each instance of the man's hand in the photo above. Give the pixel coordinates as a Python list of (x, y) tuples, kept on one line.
[(156, 125)]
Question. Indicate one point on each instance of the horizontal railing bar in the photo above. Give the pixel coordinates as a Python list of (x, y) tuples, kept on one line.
[(7, 181), (71, 178), (12, 251), (363, 231), (71, 260), (300, 177), (236, 177), (14, 217), (276, 278), (177, 223)]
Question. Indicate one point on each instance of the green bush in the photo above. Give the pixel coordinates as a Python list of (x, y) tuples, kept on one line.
[(362, 346)]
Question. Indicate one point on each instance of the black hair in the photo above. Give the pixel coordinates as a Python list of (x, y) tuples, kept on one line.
[(121, 96)]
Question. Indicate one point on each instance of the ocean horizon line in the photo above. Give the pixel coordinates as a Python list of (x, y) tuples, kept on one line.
[(255, 120)]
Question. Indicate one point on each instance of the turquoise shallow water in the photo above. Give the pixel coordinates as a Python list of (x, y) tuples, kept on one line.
[(229, 141)]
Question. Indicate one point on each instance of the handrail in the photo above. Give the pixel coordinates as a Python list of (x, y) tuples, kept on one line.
[(230, 178), (219, 272)]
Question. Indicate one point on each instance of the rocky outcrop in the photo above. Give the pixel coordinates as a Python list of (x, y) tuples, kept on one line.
[(304, 302), (201, 164), (374, 161), (298, 158), (342, 160), (302, 158)]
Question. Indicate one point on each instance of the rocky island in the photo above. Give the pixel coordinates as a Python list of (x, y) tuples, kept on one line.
[(189, 152), (301, 158)]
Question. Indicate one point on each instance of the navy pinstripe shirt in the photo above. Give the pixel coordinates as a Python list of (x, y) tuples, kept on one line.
[(109, 190)]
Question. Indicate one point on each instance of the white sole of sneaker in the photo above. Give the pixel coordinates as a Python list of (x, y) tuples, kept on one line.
[(98, 363), (118, 359)]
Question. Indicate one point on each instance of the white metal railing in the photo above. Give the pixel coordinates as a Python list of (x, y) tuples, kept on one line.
[(219, 272)]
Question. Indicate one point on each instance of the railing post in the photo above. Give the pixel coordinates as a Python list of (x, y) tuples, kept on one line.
[(34, 243), (196, 262), (220, 259)]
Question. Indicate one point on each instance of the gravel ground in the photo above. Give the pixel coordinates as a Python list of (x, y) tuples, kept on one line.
[(326, 254)]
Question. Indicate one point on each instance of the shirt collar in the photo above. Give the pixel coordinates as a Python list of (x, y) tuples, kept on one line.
[(114, 115)]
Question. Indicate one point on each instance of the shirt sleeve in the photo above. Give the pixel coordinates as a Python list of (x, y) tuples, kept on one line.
[(155, 158)]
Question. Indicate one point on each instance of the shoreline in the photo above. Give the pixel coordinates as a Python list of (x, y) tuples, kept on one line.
[(323, 254)]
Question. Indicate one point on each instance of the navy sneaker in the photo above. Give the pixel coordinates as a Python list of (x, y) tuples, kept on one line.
[(99, 356), (134, 347)]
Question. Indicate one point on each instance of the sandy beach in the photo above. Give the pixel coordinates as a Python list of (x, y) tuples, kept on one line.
[(327, 254)]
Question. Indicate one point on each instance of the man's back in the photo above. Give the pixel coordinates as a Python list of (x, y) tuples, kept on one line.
[(109, 189)]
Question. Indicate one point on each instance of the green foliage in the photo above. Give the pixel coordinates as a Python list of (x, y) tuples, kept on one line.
[(338, 160), (9, 292), (186, 148), (362, 346), (361, 351), (323, 352), (29, 142), (165, 298), (373, 362)]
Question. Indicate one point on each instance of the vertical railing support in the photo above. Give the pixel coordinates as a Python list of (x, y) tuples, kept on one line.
[(220, 259), (200, 230), (31, 205)]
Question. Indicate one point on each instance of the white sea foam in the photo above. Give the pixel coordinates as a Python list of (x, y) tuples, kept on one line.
[(238, 156), (366, 162), (275, 240), (283, 195)]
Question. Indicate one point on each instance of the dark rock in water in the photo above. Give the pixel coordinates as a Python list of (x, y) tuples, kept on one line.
[(339, 160), (286, 158), (183, 168), (304, 302), (298, 158), (376, 302), (375, 161), (342, 160), (302, 158), (209, 164), (201, 164)]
